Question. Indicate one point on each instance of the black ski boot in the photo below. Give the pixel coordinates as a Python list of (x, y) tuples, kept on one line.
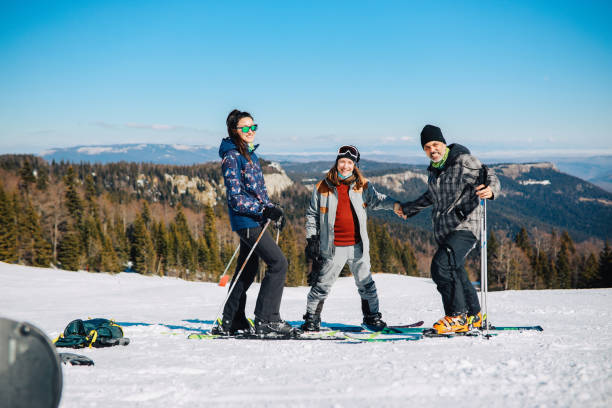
[(279, 328), (223, 328), (242, 325), (312, 322), (373, 321)]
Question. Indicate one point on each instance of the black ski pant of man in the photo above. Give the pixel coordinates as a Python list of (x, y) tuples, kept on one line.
[(450, 276), (271, 290)]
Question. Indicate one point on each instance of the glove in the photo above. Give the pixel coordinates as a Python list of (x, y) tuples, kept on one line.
[(315, 271), (409, 212), (272, 213), (313, 250)]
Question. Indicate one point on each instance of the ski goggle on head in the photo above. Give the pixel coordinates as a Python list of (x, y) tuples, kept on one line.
[(245, 129), (348, 152)]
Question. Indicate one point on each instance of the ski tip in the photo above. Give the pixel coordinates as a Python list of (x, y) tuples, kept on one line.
[(198, 336)]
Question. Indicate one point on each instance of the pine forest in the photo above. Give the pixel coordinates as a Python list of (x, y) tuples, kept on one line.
[(172, 221)]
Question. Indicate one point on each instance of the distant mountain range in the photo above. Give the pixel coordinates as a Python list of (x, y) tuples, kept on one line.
[(597, 170), (142, 152)]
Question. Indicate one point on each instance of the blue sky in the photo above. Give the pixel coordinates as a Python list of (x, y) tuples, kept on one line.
[(502, 77)]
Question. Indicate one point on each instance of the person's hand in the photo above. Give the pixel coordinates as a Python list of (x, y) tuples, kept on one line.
[(397, 209), (272, 213), (483, 191), (313, 250)]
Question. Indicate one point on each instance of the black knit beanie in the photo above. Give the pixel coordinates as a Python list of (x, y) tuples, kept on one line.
[(431, 133)]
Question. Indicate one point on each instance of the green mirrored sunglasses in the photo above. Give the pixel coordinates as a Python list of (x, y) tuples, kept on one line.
[(245, 129)]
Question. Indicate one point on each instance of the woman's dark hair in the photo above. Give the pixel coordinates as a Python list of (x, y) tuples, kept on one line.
[(232, 130)]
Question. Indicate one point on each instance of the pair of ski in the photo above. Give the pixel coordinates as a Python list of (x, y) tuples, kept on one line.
[(330, 332), (394, 333), (408, 332)]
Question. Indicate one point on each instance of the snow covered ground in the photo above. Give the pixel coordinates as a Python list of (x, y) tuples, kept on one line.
[(569, 364)]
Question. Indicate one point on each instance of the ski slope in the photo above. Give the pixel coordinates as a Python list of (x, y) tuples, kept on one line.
[(568, 365)]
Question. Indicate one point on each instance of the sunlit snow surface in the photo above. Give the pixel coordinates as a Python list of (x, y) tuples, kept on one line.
[(569, 364)]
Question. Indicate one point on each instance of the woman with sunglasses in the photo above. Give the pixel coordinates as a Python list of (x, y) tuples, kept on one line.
[(336, 234), (249, 208)]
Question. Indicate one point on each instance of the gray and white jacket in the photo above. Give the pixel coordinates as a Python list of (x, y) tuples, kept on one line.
[(451, 190), (321, 214)]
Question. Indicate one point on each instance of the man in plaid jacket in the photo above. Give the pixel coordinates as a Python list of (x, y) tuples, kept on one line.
[(456, 183)]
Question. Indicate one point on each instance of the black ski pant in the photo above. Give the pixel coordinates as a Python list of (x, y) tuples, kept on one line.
[(450, 276), (271, 290)]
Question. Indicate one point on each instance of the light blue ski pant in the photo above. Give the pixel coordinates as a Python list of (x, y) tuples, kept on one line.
[(358, 263)]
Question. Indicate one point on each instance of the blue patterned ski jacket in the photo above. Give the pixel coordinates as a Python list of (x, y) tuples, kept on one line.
[(244, 185)]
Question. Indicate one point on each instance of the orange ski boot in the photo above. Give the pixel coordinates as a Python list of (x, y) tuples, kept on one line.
[(476, 321), (452, 324)]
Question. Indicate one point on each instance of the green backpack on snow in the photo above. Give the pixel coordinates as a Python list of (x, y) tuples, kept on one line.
[(91, 333)]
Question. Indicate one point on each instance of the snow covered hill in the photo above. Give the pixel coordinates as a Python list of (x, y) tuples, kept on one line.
[(569, 364)]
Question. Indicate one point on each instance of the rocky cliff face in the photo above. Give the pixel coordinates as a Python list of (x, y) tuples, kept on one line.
[(513, 171), (204, 191), (396, 182), (208, 192)]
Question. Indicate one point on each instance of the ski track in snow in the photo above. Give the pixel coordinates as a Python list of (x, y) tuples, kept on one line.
[(569, 364)]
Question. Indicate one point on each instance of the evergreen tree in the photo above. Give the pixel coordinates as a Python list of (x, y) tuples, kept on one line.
[(26, 175), (37, 251), (173, 247), (146, 214), (109, 262), (605, 266), (92, 243), (386, 251), (590, 276), (541, 271), (408, 260), (210, 233), (562, 267), (288, 245), (68, 252), (121, 245), (187, 247), (160, 241), (42, 179), (375, 261), (73, 201), (142, 252), (522, 241), (494, 271), (565, 238), (553, 278), (204, 258), (8, 229)]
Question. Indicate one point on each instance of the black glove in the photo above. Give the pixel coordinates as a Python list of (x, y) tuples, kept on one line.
[(313, 250), (272, 213), (315, 271), (409, 212)]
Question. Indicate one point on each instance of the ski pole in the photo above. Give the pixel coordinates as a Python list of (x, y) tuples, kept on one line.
[(278, 228), (240, 271), (224, 278), (484, 279)]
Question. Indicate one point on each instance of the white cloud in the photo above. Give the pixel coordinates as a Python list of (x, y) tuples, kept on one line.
[(154, 126)]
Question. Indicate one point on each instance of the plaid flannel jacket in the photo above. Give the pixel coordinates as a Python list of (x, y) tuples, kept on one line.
[(449, 190)]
